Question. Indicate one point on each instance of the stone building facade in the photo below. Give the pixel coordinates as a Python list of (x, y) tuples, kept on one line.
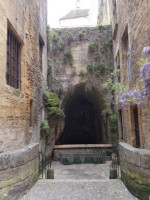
[(23, 68), (130, 36), (130, 24), (21, 105)]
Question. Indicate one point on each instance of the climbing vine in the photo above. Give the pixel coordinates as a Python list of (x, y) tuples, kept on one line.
[(44, 125)]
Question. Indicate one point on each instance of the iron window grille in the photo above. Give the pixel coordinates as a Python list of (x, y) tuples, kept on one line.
[(13, 73)]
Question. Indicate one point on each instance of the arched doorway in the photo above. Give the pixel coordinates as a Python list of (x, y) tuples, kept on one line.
[(83, 120)]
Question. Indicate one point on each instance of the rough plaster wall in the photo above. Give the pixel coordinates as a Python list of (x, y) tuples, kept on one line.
[(104, 12), (28, 18), (136, 15)]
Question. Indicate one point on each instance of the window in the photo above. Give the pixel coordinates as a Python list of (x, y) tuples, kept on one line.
[(121, 124), (13, 72), (41, 45), (114, 8), (118, 67), (126, 53), (136, 127), (128, 60)]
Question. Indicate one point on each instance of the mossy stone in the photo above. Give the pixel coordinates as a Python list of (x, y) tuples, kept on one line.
[(77, 160)]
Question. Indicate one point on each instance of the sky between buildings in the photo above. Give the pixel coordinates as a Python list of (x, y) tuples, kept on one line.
[(59, 8)]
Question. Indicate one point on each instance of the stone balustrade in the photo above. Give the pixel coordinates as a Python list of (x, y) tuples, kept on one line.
[(18, 171), (135, 170)]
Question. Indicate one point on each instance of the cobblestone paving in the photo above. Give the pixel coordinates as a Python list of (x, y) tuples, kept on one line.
[(79, 182)]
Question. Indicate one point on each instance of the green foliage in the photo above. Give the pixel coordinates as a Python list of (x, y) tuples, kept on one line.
[(77, 160), (89, 68), (81, 34), (56, 87), (82, 73), (68, 32), (53, 41), (93, 47), (52, 102), (114, 129), (51, 99), (61, 46), (114, 123), (99, 26), (99, 68), (44, 125), (65, 161), (60, 31), (68, 57), (110, 84), (48, 37), (104, 112), (142, 61), (97, 57), (54, 112), (54, 36), (106, 44), (88, 160), (50, 63), (98, 161), (45, 96)]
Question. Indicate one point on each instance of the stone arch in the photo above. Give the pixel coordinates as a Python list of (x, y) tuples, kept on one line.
[(83, 122)]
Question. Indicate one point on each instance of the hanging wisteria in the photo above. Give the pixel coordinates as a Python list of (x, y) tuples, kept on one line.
[(126, 97)]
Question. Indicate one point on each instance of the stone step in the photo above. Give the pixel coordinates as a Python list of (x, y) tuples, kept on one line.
[(79, 190)]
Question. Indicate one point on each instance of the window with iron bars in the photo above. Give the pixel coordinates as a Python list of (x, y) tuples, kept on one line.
[(13, 73)]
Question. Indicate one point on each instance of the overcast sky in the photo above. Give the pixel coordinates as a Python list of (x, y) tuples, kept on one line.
[(59, 8)]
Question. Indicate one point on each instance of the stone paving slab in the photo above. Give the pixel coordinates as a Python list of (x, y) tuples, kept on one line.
[(81, 171), (79, 190)]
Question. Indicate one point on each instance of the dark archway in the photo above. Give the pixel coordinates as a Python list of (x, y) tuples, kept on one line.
[(83, 122)]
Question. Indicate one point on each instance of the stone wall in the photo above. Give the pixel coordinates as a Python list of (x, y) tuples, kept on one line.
[(135, 165), (104, 16), (18, 171), (77, 41), (28, 19), (80, 59), (134, 21)]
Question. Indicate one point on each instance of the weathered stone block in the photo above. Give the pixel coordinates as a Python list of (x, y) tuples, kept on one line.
[(4, 161), (34, 150), (20, 157), (50, 174), (145, 160)]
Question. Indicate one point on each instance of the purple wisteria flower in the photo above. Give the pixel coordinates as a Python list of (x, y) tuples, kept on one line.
[(145, 73), (146, 51), (125, 98), (140, 103), (136, 94)]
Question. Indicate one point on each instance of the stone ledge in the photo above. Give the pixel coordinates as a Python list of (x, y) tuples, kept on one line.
[(134, 156), (18, 171), (135, 166), (19, 157)]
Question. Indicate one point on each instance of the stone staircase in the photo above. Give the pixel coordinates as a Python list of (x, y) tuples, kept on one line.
[(79, 182)]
